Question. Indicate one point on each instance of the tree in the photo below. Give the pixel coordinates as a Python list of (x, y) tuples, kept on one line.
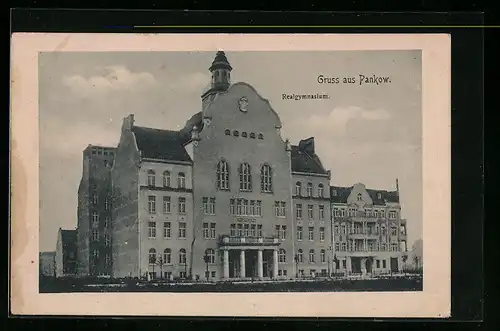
[(417, 253)]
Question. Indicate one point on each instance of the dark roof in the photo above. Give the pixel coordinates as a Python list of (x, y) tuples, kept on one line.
[(68, 238), (161, 144), (220, 61), (302, 161), (343, 194), (185, 132)]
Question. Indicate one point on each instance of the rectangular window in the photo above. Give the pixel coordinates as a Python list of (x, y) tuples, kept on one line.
[(342, 213), (310, 213), (382, 213), (280, 208), (152, 204), (213, 274), (252, 230), (336, 212), (322, 234), (277, 231), (182, 274), (384, 264), (182, 205), (239, 206), (107, 240), (299, 233), (152, 230), (94, 198), (95, 235), (245, 207), (246, 230), (106, 204), (258, 208), (343, 247), (166, 205), (181, 180), (394, 231), (252, 208), (167, 230), (106, 222), (392, 214), (283, 232), (321, 212), (239, 233), (212, 230), (259, 230), (298, 211), (205, 205), (311, 233), (231, 207), (337, 247), (232, 230), (394, 247), (211, 206), (182, 230), (206, 233), (378, 264)]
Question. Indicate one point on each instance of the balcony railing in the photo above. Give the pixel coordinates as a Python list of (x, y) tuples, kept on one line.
[(235, 240)]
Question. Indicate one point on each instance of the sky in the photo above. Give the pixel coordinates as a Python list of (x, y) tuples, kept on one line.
[(363, 133)]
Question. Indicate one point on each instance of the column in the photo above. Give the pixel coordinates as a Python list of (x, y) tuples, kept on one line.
[(260, 265), (275, 263), (348, 264), (242, 264), (226, 264)]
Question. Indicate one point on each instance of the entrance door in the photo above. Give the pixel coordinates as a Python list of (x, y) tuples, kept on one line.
[(369, 265), (394, 264), (356, 265)]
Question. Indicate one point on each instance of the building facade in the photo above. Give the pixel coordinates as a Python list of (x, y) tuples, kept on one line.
[(47, 264), (65, 255), (225, 197), (369, 233)]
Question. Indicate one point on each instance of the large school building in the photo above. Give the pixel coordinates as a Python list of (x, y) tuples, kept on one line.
[(227, 197)]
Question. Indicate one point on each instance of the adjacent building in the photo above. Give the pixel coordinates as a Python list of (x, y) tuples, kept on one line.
[(65, 255), (47, 264), (225, 197), (369, 233)]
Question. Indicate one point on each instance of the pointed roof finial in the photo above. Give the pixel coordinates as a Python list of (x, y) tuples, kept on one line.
[(220, 61)]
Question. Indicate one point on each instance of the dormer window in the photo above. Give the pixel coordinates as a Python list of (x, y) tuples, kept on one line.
[(244, 134), (227, 132), (252, 135), (236, 133), (359, 197), (379, 195), (334, 193), (261, 136)]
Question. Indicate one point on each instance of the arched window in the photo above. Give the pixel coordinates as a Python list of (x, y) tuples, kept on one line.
[(298, 188), (182, 256), (322, 256), (281, 255), (245, 177), (181, 180), (167, 256), (309, 189), (166, 178), (210, 254), (261, 136), (151, 178), (321, 190), (152, 256), (360, 197), (300, 256), (266, 179), (311, 256), (222, 175)]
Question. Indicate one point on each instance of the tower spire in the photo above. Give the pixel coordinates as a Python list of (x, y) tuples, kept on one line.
[(397, 187), (221, 72)]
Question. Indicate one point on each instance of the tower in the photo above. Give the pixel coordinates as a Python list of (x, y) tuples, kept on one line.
[(221, 72)]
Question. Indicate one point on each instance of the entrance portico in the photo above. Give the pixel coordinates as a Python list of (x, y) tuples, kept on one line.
[(249, 257)]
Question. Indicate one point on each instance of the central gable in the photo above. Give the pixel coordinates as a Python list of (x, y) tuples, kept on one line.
[(359, 196), (242, 108)]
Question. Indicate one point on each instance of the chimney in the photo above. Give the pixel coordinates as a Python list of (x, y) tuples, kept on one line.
[(128, 122), (307, 145), (397, 187)]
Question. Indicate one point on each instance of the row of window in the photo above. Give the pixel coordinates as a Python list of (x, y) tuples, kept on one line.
[(167, 204), (95, 201), (255, 230), (358, 246), (357, 228), (310, 233), (96, 235), (244, 134), (100, 151), (244, 207), (95, 220), (343, 212), (309, 190), (95, 255), (299, 257), (167, 230), (245, 177), (166, 179), (310, 212), (166, 257)]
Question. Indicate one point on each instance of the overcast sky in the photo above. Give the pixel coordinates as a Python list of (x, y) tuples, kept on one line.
[(364, 133)]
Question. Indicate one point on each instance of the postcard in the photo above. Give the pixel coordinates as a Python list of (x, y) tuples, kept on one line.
[(231, 175)]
